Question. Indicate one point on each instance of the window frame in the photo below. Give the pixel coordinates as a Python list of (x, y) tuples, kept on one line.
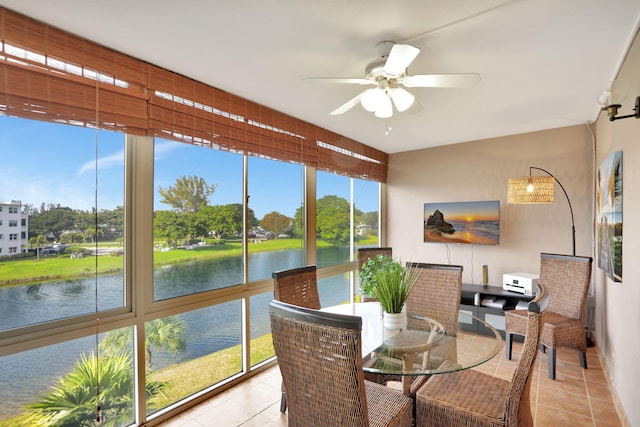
[(138, 269)]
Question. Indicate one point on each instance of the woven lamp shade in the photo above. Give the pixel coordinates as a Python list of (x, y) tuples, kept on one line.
[(521, 193)]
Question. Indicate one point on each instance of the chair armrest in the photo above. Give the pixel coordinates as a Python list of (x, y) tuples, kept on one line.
[(541, 301)]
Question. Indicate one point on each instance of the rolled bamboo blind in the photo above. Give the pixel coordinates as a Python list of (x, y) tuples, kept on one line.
[(49, 74)]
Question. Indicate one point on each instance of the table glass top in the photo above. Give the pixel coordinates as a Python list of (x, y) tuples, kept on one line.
[(420, 348)]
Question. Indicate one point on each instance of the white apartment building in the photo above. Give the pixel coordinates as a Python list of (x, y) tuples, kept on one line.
[(14, 228)]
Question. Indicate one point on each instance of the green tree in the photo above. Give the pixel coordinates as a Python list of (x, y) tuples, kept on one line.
[(84, 220), (333, 219), (164, 334), (72, 400), (370, 219), (252, 221), (72, 237), (171, 226), (188, 194), (92, 233), (275, 222), (38, 241), (112, 222), (52, 222), (221, 220), (160, 334), (298, 222)]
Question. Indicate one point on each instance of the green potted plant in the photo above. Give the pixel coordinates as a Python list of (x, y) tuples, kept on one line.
[(390, 283)]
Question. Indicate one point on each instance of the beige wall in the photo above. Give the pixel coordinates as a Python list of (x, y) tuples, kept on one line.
[(618, 303), (480, 170)]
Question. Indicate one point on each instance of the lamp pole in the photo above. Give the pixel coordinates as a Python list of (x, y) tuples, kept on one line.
[(573, 226)]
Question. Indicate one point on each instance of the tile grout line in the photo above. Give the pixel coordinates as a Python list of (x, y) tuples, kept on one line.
[(586, 388)]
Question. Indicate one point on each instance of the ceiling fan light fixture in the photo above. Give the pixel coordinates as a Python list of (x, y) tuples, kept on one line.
[(385, 109), (389, 71), (371, 99), (402, 99)]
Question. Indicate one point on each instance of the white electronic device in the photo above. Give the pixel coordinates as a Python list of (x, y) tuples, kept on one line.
[(522, 283)]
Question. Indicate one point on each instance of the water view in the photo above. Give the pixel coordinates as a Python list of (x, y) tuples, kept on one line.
[(206, 331)]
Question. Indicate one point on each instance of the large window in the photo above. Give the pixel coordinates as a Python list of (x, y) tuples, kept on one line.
[(260, 333), (57, 384), (366, 202), (70, 181), (172, 242), (334, 290), (333, 219), (75, 261), (190, 352), (338, 226), (276, 213), (198, 221)]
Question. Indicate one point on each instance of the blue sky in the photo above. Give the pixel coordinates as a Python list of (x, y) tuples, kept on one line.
[(53, 163)]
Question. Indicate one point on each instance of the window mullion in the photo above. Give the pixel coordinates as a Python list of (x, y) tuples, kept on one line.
[(138, 252)]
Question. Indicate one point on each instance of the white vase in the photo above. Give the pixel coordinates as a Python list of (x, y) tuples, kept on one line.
[(393, 322)]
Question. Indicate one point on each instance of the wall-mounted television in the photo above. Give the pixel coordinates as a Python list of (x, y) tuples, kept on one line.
[(475, 223)]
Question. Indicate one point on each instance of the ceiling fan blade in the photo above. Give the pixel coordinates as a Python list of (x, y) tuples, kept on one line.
[(441, 80), (339, 80), (347, 105), (400, 57)]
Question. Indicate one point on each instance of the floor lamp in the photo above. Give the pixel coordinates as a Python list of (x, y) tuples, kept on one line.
[(538, 189)]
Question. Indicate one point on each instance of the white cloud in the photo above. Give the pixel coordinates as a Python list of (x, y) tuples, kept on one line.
[(108, 162), (161, 149)]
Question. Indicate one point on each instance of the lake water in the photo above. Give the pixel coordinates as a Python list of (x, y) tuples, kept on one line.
[(28, 374)]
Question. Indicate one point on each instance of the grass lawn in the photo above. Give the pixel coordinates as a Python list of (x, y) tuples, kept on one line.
[(190, 377), (49, 268), (187, 378)]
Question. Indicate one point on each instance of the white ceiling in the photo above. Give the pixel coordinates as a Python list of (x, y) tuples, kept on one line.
[(543, 63)]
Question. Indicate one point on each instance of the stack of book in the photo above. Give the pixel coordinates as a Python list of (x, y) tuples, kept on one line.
[(493, 302)]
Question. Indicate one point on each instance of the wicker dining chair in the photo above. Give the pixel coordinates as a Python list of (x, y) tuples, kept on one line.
[(365, 254), (473, 398), (436, 295), (297, 286), (567, 279), (320, 358)]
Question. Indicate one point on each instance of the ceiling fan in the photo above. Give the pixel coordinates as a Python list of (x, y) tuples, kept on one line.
[(388, 74)]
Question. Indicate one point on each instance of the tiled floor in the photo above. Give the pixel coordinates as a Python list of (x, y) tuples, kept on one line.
[(576, 398)]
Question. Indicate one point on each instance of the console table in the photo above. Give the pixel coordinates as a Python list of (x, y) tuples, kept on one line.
[(490, 315)]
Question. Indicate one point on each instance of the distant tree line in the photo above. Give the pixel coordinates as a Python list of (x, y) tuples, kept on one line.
[(66, 225), (192, 218)]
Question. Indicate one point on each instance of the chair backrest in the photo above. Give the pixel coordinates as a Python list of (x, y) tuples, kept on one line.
[(365, 254), (436, 294), (321, 367), (297, 286), (518, 408), (567, 279)]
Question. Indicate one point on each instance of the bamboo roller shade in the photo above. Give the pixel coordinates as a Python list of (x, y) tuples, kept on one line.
[(49, 74)]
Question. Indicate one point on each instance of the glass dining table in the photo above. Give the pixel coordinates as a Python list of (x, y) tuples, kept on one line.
[(423, 346)]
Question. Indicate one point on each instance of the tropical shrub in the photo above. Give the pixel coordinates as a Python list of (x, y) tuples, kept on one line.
[(73, 400)]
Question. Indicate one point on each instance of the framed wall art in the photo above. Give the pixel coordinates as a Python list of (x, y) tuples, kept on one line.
[(609, 194), (462, 222)]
